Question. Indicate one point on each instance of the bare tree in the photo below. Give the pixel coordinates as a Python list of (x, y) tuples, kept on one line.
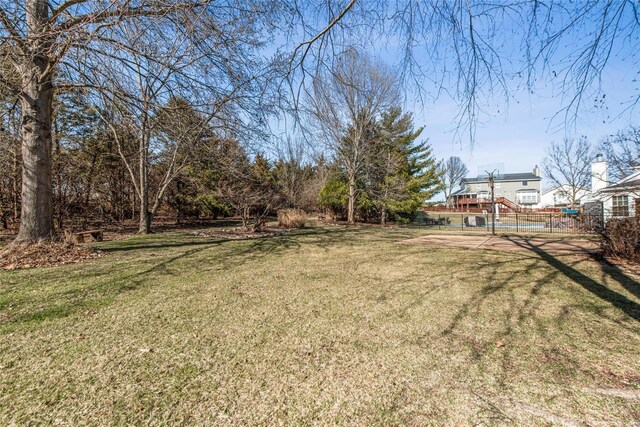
[(53, 44), (449, 48), (623, 151), (453, 171), (165, 137), (345, 104), (291, 171), (472, 51), (41, 36), (81, 43), (174, 90), (572, 44), (153, 98), (568, 166)]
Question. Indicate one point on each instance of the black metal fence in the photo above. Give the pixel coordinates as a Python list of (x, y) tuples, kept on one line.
[(525, 222)]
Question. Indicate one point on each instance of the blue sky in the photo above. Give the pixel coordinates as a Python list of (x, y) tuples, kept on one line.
[(519, 134)]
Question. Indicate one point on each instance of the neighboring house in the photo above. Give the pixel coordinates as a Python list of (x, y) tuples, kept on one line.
[(561, 196), (511, 189), (618, 199)]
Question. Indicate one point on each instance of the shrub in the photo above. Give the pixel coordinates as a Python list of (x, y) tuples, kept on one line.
[(210, 206), (621, 238), (334, 195), (291, 218)]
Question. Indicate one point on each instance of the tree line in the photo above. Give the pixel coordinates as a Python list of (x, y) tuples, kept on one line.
[(130, 62), (109, 164)]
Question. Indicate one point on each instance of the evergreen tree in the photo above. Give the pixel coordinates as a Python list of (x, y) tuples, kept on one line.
[(403, 173), (334, 195), (399, 173)]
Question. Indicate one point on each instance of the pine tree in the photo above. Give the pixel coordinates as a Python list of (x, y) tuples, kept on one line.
[(403, 173)]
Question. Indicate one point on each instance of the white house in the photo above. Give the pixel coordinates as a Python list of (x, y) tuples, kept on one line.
[(618, 199), (561, 196)]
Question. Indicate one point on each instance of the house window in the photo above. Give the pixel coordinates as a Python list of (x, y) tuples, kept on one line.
[(620, 206), (525, 183), (527, 197)]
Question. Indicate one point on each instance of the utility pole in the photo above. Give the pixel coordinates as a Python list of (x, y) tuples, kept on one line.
[(493, 203)]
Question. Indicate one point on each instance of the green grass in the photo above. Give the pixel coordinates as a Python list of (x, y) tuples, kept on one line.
[(321, 326)]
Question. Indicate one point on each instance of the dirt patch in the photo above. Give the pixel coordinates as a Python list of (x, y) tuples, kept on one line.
[(547, 416), (522, 244), (615, 392), (45, 255)]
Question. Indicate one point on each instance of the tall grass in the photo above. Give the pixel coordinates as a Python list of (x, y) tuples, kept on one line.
[(291, 218)]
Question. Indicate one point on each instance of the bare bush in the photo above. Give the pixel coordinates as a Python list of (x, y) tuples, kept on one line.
[(291, 218), (621, 238)]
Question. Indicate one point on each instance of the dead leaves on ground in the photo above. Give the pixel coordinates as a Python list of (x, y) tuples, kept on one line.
[(45, 255)]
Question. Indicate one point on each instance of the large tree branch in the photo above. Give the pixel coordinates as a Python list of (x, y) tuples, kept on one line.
[(64, 6), (125, 12), (309, 43)]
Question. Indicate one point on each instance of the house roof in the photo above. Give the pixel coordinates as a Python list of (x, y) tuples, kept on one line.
[(630, 182), (528, 176), (634, 176), (462, 191), (622, 186)]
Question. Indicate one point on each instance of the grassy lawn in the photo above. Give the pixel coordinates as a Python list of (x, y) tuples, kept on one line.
[(321, 326)]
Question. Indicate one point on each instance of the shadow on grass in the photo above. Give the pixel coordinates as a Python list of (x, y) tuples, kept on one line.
[(617, 274), (113, 282), (630, 308), (539, 258), (143, 244), (324, 237), (522, 289)]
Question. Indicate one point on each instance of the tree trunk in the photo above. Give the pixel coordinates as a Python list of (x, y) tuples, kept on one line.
[(145, 213), (15, 183), (352, 201), (145, 222), (58, 179), (36, 217), (383, 216), (245, 218)]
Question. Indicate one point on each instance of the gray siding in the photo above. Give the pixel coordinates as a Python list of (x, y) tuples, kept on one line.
[(523, 192)]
